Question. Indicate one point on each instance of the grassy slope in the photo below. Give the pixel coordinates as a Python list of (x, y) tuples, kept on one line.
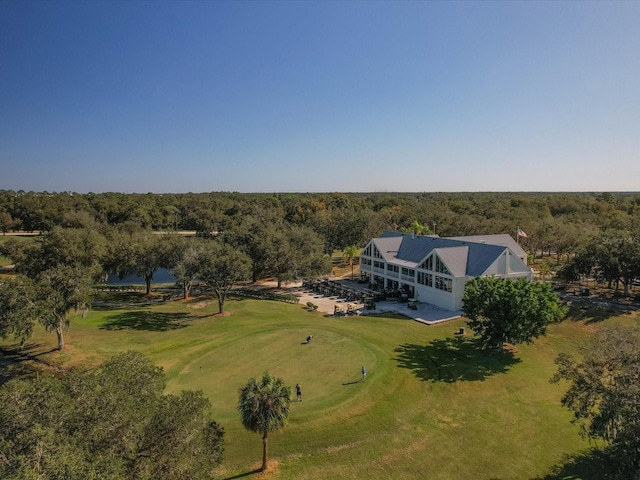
[(433, 405)]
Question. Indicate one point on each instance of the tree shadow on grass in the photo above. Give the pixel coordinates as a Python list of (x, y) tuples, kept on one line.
[(245, 474), (21, 361), (11, 365), (453, 359), (591, 465), (592, 314), (145, 320)]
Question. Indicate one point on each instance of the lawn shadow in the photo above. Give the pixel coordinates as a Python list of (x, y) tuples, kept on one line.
[(453, 359), (352, 383), (145, 320), (591, 314), (106, 307), (246, 474), (591, 465), (19, 352), (22, 361)]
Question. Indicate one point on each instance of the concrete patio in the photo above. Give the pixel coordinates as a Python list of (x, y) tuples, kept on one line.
[(425, 313)]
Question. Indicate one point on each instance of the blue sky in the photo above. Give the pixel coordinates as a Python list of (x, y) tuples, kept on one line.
[(319, 96)]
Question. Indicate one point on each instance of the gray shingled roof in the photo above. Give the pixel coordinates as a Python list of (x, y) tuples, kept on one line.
[(413, 249), (455, 258), (502, 239), (388, 247)]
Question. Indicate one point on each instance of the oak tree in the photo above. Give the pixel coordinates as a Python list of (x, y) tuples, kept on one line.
[(113, 422), (604, 394), (509, 311)]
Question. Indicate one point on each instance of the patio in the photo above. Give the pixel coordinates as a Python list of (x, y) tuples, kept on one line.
[(334, 295)]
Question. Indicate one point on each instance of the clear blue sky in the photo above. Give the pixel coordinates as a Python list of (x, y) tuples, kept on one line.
[(321, 96)]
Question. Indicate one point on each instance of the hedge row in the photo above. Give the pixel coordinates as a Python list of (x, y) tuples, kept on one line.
[(267, 295)]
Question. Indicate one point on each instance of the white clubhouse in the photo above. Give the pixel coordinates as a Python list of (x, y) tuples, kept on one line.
[(434, 270)]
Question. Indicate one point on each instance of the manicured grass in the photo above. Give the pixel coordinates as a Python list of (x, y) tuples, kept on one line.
[(433, 406)]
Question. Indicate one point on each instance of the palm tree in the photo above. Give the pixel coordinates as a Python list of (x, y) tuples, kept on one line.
[(544, 270), (264, 408), (349, 254), (417, 228)]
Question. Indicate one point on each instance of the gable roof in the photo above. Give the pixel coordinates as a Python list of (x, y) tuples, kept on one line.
[(388, 247), (455, 258), (502, 239), (462, 257)]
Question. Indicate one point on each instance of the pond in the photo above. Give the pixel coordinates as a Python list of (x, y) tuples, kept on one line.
[(162, 275)]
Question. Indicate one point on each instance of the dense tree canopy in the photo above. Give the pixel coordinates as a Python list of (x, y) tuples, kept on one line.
[(509, 311), (139, 252), (604, 394), (18, 307), (58, 291), (555, 222), (110, 423), (187, 261), (220, 267), (55, 274), (612, 256)]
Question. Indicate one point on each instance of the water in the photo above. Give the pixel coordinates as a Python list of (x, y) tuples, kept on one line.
[(162, 275)]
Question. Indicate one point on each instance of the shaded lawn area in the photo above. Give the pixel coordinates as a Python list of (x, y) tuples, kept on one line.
[(145, 320), (595, 314), (454, 359), (590, 465), (121, 297)]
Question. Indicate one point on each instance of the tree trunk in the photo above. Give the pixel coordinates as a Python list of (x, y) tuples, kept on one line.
[(352, 270), (147, 280), (221, 297), (264, 452), (185, 290), (60, 336)]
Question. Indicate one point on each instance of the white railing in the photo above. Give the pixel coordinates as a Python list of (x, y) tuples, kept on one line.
[(408, 278)]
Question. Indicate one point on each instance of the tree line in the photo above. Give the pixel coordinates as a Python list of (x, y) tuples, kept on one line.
[(554, 222)]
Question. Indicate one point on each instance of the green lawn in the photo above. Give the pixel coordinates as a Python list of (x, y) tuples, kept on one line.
[(433, 405)]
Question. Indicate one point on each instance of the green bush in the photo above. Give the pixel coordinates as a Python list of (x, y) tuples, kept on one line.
[(267, 295)]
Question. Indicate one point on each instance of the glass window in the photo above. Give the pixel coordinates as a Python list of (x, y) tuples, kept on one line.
[(443, 283), (428, 263), (441, 267), (425, 279)]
